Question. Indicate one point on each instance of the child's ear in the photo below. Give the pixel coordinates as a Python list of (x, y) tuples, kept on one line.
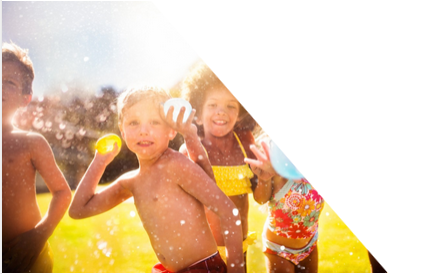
[(172, 135), (120, 130), (26, 99)]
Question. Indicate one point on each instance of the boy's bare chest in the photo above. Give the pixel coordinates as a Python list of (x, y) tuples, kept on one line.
[(16, 159)]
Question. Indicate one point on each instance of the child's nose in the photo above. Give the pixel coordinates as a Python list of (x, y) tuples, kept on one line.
[(144, 129), (221, 110)]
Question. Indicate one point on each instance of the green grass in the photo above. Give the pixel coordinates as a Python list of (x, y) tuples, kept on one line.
[(116, 242)]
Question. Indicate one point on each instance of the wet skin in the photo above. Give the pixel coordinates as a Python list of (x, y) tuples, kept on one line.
[(219, 115), (24, 231), (169, 191)]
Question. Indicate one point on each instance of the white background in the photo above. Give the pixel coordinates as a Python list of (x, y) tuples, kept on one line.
[(343, 88)]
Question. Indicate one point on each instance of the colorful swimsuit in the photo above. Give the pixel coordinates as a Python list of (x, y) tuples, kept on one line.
[(294, 212), (234, 180)]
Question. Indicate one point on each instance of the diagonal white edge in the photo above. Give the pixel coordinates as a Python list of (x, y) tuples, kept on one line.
[(351, 81)]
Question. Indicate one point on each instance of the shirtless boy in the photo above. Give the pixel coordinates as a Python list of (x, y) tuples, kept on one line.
[(169, 190), (24, 232)]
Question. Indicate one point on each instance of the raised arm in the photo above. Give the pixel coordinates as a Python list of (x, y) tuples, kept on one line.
[(192, 148), (265, 172), (198, 184), (86, 201)]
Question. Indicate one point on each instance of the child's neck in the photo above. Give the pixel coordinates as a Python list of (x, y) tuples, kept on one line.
[(146, 164), (225, 142), (7, 127)]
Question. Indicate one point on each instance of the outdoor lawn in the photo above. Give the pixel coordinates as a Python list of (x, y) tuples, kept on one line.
[(116, 242)]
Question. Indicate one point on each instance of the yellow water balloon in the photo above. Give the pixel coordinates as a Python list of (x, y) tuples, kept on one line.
[(106, 143)]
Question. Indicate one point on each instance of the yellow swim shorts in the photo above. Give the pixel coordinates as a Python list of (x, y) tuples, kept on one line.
[(250, 240), (45, 262)]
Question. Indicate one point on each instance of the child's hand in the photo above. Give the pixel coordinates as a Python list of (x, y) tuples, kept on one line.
[(20, 254), (107, 157), (185, 129), (261, 167)]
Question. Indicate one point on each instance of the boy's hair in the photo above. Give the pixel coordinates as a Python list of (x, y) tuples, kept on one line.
[(196, 86), (13, 53), (131, 96)]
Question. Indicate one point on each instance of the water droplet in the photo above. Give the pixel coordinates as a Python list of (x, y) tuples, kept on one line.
[(38, 123), (232, 265), (182, 222), (69, 134), (171, 247), (59, 135), (350, 253), (40, 98), (86, 59), (62, 125), (327, 213), (238, 222), (200, 157), (226, 232), (235, 212), (132, 213)]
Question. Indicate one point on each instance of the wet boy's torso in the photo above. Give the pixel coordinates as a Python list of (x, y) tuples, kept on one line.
[(174, 220), (20, 211)]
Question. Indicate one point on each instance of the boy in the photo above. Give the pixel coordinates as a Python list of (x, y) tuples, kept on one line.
[(169, 190), (24, 232)]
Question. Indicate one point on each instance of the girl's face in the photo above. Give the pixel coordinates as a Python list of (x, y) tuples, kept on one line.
[(220, 112)]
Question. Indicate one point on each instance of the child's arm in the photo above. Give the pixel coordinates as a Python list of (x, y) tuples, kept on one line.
[(28, 245), (193, 147), (197, 183), (264, 170), (86, 201)]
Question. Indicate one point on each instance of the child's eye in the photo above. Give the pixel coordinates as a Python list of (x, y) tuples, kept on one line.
[(212, 105), (9, 82), (154, 122), (133, 123), (231, 106)]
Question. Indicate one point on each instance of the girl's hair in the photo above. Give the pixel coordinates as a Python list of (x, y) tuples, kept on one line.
[(198, 84), (132, 96), (11, 52)]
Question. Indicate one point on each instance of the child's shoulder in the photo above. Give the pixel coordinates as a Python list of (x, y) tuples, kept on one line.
[(26, 139), (176, 161)]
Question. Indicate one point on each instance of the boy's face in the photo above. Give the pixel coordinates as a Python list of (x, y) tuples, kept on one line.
[(12, 87), (143, 130), (220, 112)]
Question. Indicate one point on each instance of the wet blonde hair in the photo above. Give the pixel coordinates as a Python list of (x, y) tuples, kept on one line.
[(13, 53), (132, 96)]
